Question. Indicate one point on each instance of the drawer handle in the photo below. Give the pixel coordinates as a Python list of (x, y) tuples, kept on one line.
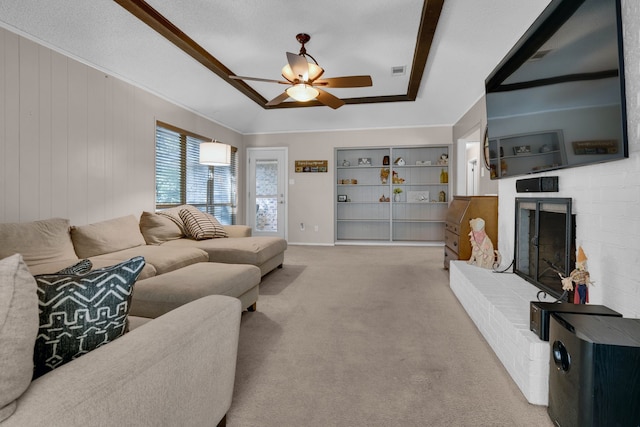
[(455, 243)]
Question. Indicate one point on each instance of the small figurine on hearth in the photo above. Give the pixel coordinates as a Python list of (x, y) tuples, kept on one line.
[(579, 276), (482, 252)]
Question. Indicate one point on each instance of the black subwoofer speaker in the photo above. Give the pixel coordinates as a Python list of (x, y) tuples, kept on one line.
[(540, 314), (594, 375)]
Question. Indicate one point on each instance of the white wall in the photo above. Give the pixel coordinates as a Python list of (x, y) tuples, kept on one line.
[(79, 144), (474, 120), (311, 197), (75, 142), (606, 199)]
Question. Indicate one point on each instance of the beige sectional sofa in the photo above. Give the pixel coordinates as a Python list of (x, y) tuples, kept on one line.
[(234, 265), (240, 247), (183, 345), (176, 370)]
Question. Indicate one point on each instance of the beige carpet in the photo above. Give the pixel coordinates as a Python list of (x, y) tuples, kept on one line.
[(368, 336)]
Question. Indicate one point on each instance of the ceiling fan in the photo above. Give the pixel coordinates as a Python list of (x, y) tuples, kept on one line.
[(304, 78)]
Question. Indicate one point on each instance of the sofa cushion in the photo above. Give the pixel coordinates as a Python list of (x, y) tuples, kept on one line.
[(200, 225), (79, 313), (174, 215), (237, 230), (157, 229), (18, 330), (107, 236), (38, 242), (158, 295), (243, 250), (163, 259)]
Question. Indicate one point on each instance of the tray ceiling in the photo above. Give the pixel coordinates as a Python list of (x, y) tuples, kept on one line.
[(163, 51)]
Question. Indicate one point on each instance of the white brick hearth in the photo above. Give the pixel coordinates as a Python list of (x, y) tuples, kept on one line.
[(498, 303)]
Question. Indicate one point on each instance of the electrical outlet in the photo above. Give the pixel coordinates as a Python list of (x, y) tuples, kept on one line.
[(315, 228), (302, 226)]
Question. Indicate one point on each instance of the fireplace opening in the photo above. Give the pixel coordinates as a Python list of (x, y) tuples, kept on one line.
[(545, 243)]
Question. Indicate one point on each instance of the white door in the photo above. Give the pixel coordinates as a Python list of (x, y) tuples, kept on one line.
[(267, 195)]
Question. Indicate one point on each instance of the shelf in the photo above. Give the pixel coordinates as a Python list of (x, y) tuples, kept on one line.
[(363, 185), (421, 185), (421, 203), (417, 166), (528, 155), (366, 219), (376, 202), (424, 221), (363, 220), (362, 167)]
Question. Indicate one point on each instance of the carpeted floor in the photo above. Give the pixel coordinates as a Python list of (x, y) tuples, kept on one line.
[(368, 336)]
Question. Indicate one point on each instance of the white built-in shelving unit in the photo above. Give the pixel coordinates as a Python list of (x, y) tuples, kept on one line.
[(417, 215)]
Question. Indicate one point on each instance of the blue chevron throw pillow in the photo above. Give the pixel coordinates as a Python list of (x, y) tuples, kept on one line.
[(81, 312)]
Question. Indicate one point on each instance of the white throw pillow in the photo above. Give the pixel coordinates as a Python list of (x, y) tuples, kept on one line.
[(18, 329)]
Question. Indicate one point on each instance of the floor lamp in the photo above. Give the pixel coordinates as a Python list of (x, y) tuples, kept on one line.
[(213, 154)]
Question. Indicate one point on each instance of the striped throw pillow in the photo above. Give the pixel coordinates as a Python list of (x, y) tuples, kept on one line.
[(200, 225), (84, 266)]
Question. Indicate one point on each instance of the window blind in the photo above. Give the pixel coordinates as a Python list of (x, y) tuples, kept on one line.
[(181, 179)]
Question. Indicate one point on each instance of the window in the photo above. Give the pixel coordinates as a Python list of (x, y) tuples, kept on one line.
[(181, 179)]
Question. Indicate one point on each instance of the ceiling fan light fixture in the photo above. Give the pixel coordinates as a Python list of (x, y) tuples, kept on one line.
[(302, 92), (314, 72)]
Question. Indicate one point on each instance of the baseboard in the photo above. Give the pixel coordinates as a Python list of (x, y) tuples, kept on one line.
[(309, 244)]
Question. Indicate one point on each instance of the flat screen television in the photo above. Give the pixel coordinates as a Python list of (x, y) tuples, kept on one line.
[(557, 99)]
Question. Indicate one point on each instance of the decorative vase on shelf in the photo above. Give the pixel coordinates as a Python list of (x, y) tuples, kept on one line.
[(444, 176), (396, 197)]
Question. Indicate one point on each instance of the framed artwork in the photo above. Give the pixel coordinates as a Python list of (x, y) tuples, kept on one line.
[(417, 196), (312, 165)]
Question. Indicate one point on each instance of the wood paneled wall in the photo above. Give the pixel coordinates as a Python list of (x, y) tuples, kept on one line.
[(75, 142)]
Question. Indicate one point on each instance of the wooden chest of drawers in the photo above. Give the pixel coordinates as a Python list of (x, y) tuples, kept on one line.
[(457, 228)]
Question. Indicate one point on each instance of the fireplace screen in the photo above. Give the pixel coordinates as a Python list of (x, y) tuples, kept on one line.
[(544, 242)]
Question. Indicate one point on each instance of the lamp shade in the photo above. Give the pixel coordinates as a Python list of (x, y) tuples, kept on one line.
[(215, 153), (314, 71), (302, 92)]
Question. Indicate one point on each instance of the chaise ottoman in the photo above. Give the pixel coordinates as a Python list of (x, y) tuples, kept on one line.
[(160, 294)]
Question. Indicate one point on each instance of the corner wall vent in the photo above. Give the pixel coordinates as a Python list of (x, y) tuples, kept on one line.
[(399, 70)]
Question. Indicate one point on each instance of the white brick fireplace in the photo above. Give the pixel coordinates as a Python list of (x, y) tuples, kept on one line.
[(498, 303), (606, 202)]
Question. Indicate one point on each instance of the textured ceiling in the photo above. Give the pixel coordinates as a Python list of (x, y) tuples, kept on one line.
[(251, 37)]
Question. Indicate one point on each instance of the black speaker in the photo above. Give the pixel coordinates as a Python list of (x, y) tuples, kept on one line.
[(537, 185), (539, 313), (594, 372)]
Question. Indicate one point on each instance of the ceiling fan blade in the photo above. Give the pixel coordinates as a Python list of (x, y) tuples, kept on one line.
[(258, 79), (278, 99), (299, 66), (349, 81), (329, 100)]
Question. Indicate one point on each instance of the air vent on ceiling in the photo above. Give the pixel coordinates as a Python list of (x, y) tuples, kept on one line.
[(399, 70), (540, 54)]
